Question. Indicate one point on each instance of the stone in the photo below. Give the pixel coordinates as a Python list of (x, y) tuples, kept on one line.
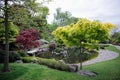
[(87, 73), (19, 61), (73, 67), (62, 61)]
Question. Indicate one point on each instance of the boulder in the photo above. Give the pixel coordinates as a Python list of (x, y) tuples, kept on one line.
[(87, 73), (19, 61), (73, 67), (61, 61)]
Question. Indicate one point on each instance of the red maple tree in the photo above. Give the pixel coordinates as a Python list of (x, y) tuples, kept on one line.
[(27, 39)]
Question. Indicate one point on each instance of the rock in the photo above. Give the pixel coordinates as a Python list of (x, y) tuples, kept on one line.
[(62, 61), (87, 73), (13, 56), (73, 67), (19, 61)]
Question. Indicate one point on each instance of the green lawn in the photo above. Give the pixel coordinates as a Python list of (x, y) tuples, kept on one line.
[(108, 70)]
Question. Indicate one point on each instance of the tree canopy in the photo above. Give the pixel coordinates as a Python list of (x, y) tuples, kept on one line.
[(27, 39), (26, 13), (83, 31), (84, 34)]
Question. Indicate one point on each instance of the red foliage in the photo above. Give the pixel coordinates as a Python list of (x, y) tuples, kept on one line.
[(28, 38)]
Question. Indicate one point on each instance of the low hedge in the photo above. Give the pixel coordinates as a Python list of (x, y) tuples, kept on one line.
[(29, 59), (52, 63)]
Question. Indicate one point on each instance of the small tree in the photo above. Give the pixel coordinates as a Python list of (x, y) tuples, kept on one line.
[(85, 34), (27, 39)]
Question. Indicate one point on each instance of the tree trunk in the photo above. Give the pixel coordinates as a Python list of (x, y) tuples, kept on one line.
[(80, 59), (6, 55)]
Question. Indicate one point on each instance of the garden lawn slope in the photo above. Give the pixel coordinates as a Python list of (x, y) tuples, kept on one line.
[(108, 70)]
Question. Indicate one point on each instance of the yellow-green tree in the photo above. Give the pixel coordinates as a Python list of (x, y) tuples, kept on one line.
[(85, 34)]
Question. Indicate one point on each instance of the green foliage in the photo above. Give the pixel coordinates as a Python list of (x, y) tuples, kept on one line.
[(19, 15), (26, 59), (103, 46), (83, 32), (29, 59), (13, 32), (21, 53), (30, 13), (115, 38), (113, 48), (63, 18), (53, 64)]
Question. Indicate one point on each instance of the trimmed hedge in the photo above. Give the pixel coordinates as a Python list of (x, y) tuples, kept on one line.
[(52, 63), (29, 59)]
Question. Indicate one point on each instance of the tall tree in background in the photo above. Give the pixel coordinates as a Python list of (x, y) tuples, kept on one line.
[(63, 18), (85, 34)]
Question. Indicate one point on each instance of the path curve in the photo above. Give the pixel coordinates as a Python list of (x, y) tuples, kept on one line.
[(103, 55)]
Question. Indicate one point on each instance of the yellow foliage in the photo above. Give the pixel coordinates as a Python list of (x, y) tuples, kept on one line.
[(84, 31)]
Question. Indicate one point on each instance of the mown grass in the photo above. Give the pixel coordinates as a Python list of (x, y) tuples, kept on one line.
[(107, 70)]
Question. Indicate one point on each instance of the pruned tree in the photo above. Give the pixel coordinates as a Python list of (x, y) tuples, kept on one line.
[(85, 34), (27, 39)]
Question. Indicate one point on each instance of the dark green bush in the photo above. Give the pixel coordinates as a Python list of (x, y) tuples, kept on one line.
[(58, 65), (26, 59), (13, 56), (21, 53)]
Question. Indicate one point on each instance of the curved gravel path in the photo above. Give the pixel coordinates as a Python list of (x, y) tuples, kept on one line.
[(103, 56)]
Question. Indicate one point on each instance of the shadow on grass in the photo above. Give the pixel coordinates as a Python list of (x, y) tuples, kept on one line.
[(16, 72)]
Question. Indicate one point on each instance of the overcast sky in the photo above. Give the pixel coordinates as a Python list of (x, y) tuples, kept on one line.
[(103, 10)]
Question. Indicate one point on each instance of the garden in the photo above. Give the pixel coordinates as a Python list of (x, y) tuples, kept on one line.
[(33, 49)]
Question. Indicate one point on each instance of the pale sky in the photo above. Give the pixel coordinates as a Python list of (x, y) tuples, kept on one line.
[(103, 10)]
